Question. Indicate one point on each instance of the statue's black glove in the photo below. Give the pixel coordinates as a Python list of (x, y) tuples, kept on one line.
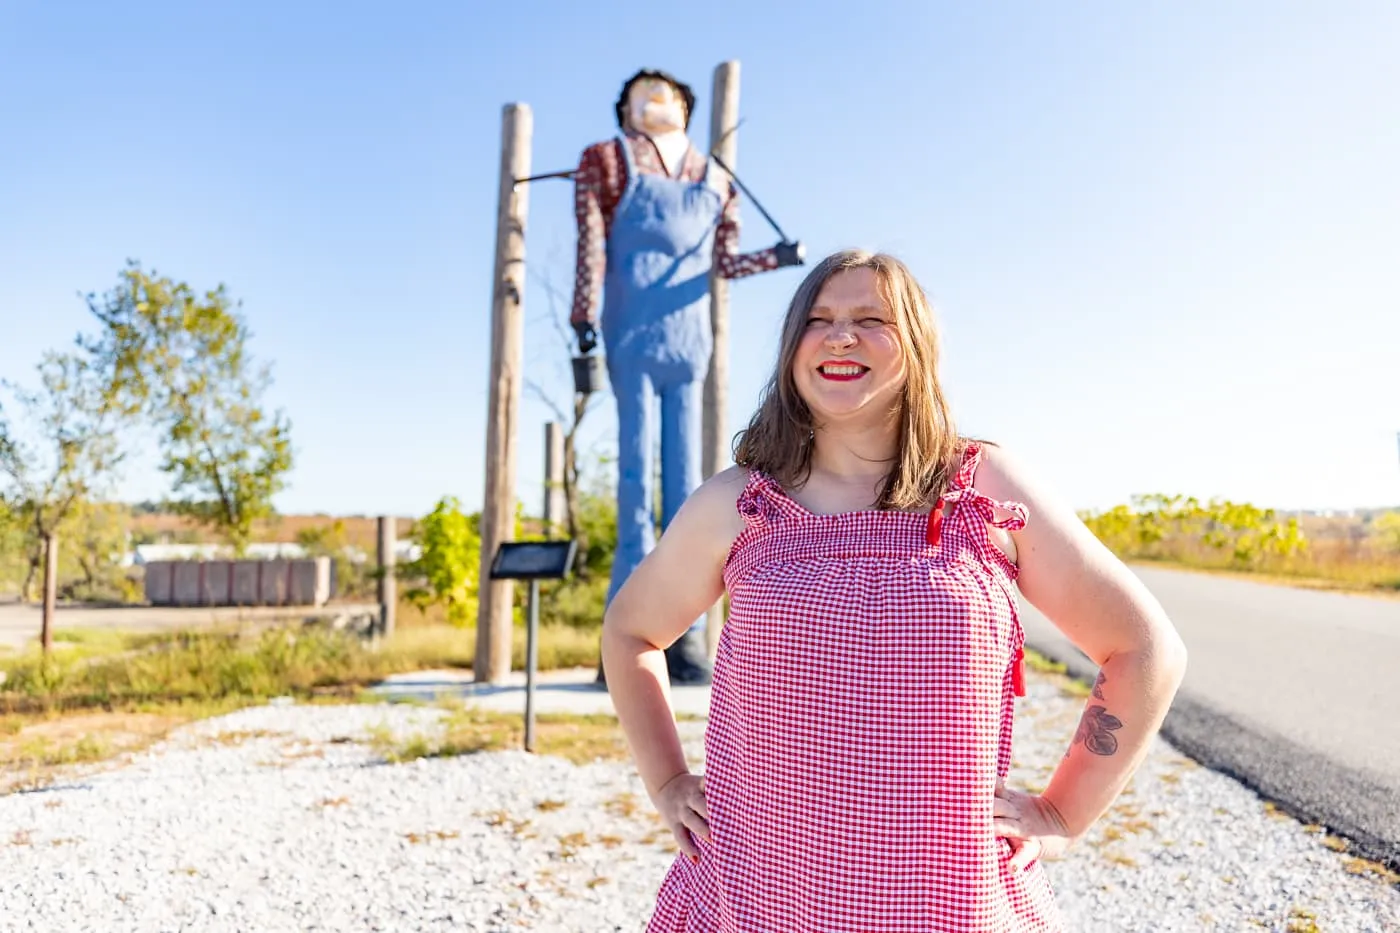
[(790, 254), (587, 337)]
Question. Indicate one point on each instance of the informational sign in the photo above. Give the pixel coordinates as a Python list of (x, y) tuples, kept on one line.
[(532, 560)]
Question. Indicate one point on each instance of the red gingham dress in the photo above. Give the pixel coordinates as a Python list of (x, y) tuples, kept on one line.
[(860, 717)]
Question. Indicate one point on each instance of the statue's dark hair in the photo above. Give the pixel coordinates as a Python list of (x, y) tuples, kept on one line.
[(686, 93)]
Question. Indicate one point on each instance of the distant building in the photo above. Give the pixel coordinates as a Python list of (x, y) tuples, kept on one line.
[(405, 550), (144, 554)]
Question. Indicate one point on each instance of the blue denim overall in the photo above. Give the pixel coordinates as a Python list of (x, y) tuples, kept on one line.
[(657, 331)]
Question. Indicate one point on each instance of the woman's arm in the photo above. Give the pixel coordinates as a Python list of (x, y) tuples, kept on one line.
[(1107, 612), (673, 586)]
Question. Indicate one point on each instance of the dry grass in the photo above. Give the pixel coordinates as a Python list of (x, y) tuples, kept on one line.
[(1302, 920), (580, 739), (570, 844), (626, 806), (1369, 869), (32, 755), (108, 693), (500, 819), (1378, 578), (360, 531), (126, 671), (1358, 552)]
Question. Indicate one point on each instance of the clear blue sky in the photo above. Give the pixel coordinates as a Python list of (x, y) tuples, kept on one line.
[(1163, 238)]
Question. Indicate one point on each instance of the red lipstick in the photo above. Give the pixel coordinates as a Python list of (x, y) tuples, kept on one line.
[(841, 370)]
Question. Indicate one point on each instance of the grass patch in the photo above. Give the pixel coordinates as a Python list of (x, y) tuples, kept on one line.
[(500, 819), (1375, 577), (1039, 662), (579, 738), (570, 844), (626, 806), (120, 692), (31, 756), (1302, 920), (1369, 869), (123, 670)]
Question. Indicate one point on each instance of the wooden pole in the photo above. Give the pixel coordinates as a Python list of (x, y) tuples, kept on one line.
[(50, 591), (493, 623), (553, 478), (724, 117), (388, 588)]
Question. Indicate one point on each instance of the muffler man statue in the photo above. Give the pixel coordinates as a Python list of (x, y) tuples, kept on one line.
[(655, 215)]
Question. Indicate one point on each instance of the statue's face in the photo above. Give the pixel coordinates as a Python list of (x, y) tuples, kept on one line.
[(654, 107)]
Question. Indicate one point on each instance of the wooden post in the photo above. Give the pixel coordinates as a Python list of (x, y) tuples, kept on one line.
[(50, 591), (553, 478), (493, 621), (388, 588), (724, 116)]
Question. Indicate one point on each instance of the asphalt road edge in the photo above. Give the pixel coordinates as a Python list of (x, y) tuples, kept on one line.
[(1302, 783)]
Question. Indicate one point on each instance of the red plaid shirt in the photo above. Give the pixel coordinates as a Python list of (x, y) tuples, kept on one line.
[(598, 187)]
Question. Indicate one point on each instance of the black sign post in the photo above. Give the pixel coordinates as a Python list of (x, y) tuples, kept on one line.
[(533, 561)]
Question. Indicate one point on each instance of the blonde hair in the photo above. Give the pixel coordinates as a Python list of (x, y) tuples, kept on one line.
[(778, 438)]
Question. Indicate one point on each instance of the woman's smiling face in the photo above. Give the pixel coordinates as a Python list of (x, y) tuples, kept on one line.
[(849, 364)]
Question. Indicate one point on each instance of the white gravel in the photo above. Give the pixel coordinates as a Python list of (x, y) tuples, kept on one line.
[(269, 820)]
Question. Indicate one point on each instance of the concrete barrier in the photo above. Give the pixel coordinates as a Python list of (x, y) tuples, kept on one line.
[(304, 582)]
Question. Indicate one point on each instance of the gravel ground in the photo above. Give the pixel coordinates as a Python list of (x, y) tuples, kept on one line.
[(284, 818)]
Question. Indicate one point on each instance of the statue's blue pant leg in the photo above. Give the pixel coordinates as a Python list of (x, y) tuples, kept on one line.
[(682, 405), (636, 385), (636, 499)]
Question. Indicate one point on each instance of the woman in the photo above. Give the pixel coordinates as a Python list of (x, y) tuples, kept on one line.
[(860, 719)]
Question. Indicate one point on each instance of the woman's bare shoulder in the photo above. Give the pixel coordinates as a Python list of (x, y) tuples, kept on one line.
[(720, 493), (709, 520), (714, 502)]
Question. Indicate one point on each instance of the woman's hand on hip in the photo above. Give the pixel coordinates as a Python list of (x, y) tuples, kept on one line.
[(681, 803), (1030, 823)]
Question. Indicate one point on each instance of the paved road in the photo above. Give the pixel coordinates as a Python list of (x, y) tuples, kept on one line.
[(19, 624), (1294, 692)]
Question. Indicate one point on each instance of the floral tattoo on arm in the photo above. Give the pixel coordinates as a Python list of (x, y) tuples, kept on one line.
[(1097, 725)]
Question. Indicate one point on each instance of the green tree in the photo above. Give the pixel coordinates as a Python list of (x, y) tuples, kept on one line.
[(95, 536), (449, 561), (1386, 528), (182, 359), (12, 547), (63, 452)]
